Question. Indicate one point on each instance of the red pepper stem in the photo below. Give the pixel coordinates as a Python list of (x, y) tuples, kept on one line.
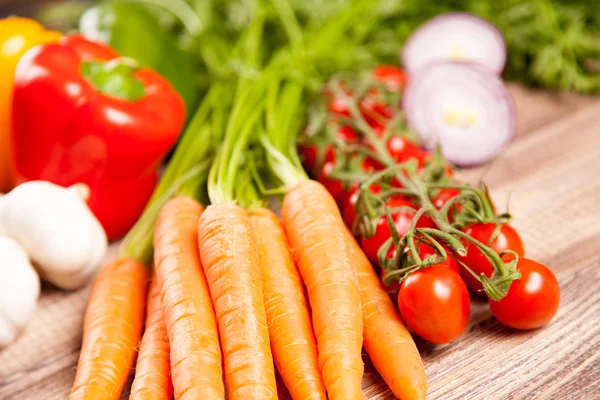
[(115, 78)]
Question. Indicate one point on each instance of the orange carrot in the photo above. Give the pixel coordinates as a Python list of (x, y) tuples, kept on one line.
[(386, 339), (290, 330), (317, 234), (229, 256), (188, 311), (152, 370), (111, 330)]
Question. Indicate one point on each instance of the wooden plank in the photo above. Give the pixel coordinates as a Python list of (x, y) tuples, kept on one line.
[(551, 174)]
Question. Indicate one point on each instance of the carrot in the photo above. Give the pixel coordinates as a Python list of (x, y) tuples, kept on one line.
[(290, 329), (188, 311), (152, 371), (111, 330), (317, 234), (229, 256), (387, 341)]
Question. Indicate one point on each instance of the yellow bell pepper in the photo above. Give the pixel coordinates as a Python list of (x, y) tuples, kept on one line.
[(17, 35)]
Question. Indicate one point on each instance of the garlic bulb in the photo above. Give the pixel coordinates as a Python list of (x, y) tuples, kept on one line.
[(19, 290), (54, 225)]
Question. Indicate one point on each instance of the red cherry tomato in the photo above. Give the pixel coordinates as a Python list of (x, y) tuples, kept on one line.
[(346, 134), (334, 186), (394, 78), (374, 109), (349, 210), (392, 289), (337, 104), (507, 239), (401, 149), (373, 105), (434, 302), (443, 196), (338, 107), (426, 250), (532, 301), (402, 221), (309, 151)]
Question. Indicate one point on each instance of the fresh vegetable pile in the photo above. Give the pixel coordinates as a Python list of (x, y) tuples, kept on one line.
[(212, 290)]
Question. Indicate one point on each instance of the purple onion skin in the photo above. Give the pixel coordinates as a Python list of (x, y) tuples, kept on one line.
[(453, 17), (485, 77)]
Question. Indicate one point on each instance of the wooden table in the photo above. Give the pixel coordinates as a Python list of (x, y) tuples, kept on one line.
[(552, 174)]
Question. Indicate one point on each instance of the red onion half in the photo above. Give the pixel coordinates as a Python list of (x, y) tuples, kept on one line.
[(463, 107), (456, 37)]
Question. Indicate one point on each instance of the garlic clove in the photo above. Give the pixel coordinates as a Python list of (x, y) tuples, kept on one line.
[(19, 290)]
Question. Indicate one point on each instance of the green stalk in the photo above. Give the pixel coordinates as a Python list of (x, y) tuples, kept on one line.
[(138, 242)]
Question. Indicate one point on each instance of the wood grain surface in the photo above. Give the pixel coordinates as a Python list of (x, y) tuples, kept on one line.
[(551, 173)]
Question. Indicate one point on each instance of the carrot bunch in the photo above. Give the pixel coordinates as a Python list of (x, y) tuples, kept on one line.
[(236, 292)]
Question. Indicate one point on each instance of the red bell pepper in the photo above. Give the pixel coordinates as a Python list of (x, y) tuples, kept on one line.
[(82, 114)]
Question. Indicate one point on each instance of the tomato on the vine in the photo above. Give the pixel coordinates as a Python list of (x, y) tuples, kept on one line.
[(374, 110), (309, 151), (394, 78), (402, 221), (373, 106), (339, 190), (426, 250), (532, 301), (507, 239), (391, 289), (443, 196), (434, 302), (349, 209), (334, 186), (401, 149), (338, 105), (346, 134)]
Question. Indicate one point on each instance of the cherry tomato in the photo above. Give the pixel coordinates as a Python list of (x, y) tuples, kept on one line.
[(349, 210), (401, 149), (443, 196), (309, 151), (337, 104), (532, 301), (392, 289), (507, 239), (392, 77), (334, 186), (374, 109), (338, 190), (402, 220), (426, 250), (309, 156), (434, 302)]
